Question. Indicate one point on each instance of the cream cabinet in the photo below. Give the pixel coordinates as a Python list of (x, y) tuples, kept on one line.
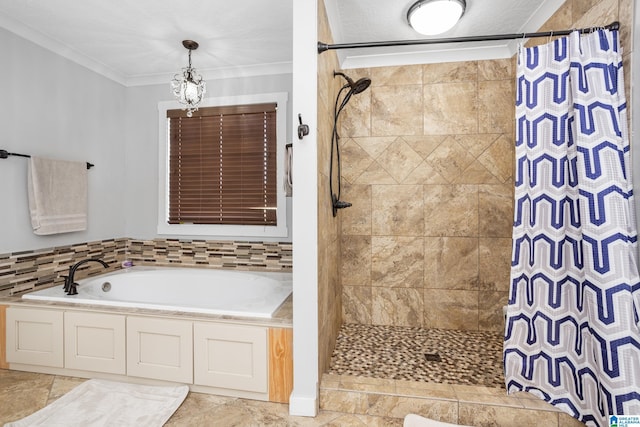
[(160, 349), (230, 356), (94, 342), (34, 337), (216, 357)]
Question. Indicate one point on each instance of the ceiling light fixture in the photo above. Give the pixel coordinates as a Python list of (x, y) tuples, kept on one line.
[(431, 17), (188, 86)]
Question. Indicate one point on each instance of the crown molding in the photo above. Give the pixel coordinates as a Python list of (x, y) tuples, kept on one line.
[(59, 48), (216, 74)]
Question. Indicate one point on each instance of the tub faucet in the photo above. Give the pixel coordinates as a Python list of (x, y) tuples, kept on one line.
[(70, 287)]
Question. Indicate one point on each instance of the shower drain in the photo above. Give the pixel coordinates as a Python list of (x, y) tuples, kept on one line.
[(432, 357)]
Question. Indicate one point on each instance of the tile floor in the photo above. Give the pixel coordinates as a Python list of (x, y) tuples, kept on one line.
[(378, 375), (22, 393)]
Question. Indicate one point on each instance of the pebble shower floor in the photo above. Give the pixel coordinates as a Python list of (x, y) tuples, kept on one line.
[(416, 354)]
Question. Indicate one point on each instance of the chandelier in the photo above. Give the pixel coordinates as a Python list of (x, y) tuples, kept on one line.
[(188, 86)]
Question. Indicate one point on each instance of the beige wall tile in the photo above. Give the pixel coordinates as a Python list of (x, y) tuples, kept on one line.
[(397, 261), (451, 108), (393, 76), (498, 159), (424, 173), (356, 304), (399, 160), (397, 210), (475, 173), (451, 263), (355, 160), (625, 16), (597, 13), (357, 219), (356, 260), (375, 145), (495, 210), (496, 106), (424, 144), (355, 119), (450, 159), (490, 317), (375, 174), (476, 144), (451, 210), (494, 264), (497, 69), (398, 306), (450, 72), (451, 309), (394, 110)]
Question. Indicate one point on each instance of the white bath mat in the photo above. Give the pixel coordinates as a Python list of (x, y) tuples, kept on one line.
[(100, 403), (413, 420)]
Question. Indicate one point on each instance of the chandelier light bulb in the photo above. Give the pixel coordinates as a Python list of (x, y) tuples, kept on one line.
[(431, 17), (188, 86)]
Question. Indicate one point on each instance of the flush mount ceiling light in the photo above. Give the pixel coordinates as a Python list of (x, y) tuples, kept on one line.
[(431, 17), (188, 86)]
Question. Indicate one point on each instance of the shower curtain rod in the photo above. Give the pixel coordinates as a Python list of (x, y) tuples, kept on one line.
[(322, 47)]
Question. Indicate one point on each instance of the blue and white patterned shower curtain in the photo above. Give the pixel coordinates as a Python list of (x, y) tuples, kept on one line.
[(572, 335)]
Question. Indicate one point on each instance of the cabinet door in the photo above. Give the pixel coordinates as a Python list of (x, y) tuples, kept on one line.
[(94, 342), (230, 356), (34, 337), (160, 349)]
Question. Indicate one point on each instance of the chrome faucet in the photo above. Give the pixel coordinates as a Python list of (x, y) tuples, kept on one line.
[(70, 287)]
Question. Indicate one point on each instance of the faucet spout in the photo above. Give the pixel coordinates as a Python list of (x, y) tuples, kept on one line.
[(70, 286)]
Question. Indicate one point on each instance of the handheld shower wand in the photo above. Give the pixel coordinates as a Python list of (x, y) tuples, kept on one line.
[(355, 88)]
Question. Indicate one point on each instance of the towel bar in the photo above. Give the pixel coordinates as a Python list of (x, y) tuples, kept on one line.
[(4, 154)]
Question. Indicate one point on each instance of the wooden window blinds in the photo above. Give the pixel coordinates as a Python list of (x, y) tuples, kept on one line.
[(222, 165)]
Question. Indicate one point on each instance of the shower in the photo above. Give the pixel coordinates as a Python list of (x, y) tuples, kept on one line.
[(354, 88)]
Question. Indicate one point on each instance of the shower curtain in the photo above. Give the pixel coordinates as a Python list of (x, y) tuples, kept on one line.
[(571, 334)]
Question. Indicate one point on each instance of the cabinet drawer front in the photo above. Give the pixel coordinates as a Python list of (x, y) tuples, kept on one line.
[(34, 337), (231, 357), (95, 342), (160, 349)]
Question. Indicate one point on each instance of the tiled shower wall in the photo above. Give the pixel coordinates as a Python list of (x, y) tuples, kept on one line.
[(25, 271), (329, 293), (427, 154), (428, 157)]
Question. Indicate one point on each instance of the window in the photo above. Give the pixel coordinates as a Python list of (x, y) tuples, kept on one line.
[(222, 168)]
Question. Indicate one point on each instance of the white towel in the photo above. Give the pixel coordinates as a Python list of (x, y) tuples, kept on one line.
[(57, 195)]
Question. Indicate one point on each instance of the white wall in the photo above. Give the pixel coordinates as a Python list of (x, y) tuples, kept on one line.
[(141, 138), (52, 107), (304, 399)]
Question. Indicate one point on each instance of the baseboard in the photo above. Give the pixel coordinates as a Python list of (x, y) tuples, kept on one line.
[(304, 406)]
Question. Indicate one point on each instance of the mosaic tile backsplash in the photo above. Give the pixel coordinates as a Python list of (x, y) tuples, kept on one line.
[(25, 271)]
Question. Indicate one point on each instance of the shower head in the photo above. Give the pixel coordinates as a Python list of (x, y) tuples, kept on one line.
[(356, 87)]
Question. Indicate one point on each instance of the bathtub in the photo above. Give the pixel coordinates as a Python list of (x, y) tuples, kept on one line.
[(192, 290)]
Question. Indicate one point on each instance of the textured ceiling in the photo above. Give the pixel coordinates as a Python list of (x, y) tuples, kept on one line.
[(381, 20), (139, 42)]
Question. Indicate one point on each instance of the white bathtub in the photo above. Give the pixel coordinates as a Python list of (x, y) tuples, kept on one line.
[(193, 290)]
